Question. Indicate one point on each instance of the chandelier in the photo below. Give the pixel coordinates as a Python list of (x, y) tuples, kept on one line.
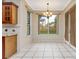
[(47, 13)]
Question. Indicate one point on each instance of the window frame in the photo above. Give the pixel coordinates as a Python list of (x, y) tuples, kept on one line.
[(28, 23), (48, 26)]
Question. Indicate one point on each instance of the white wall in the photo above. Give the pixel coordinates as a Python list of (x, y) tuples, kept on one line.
[(59, 37), (25, 40)]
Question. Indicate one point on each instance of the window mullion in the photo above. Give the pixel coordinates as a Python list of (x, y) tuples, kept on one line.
[(48, 25)]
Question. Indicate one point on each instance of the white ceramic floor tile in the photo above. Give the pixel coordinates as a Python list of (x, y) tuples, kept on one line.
[(56, 50), (38, 58), (58, 58), (73, 54), (48, 58), (70, 58), (58, 55), (48, 54), (38, 55), (15, 58), (29, 55), (67, 54), (18, 55), (46, 51), (26, 58), (63, 50)]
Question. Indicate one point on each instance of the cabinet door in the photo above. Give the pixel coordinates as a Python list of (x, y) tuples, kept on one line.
[(3, 47), (3, 14), (9, 13), (6, 17), (10, 45), (14, 15)]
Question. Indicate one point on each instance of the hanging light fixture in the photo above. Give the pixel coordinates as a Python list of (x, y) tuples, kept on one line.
[(47, 13)]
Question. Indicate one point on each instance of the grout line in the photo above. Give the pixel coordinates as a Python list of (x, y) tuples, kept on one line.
[(69, 51), (53, 53), (70, 47), (26, 52), (43, 53), (60, 52), (35, 53), (44, 50)]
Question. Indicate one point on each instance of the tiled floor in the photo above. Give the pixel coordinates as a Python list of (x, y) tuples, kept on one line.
[(46, 51)]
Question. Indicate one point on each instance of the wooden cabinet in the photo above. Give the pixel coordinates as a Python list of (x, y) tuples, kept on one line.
[(3, 0), (10, 43), (9, 13)]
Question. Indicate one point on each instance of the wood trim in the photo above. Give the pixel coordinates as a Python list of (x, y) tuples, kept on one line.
[(11, 15), (3, 47), (9, 3), (72, 9), (71, 46), (66, 26)]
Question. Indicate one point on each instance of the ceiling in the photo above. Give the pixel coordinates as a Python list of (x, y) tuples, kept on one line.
[(54, 5)]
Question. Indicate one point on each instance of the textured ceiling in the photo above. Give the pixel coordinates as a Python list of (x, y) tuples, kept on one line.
[(55, 5)]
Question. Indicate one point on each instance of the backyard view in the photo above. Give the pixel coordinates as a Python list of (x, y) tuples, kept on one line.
[(47, 25)]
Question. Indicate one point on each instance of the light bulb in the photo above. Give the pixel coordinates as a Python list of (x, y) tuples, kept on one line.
[(50, 13), (47, 13)]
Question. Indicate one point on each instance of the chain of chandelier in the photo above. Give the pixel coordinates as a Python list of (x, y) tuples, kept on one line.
[(47, 13)]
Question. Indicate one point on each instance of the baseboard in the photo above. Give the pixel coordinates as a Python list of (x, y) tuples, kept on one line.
[(70, 45)]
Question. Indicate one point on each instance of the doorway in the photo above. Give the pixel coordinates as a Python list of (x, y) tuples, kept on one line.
[(70, 26)]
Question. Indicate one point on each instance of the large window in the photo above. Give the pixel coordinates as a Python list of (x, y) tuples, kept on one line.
[(47, 25), (28, 23)]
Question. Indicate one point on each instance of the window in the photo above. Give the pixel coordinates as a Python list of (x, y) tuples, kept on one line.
[(28, 23), (47, 25)]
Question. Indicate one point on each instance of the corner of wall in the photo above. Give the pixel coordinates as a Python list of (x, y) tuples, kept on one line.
[(71, 46)]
